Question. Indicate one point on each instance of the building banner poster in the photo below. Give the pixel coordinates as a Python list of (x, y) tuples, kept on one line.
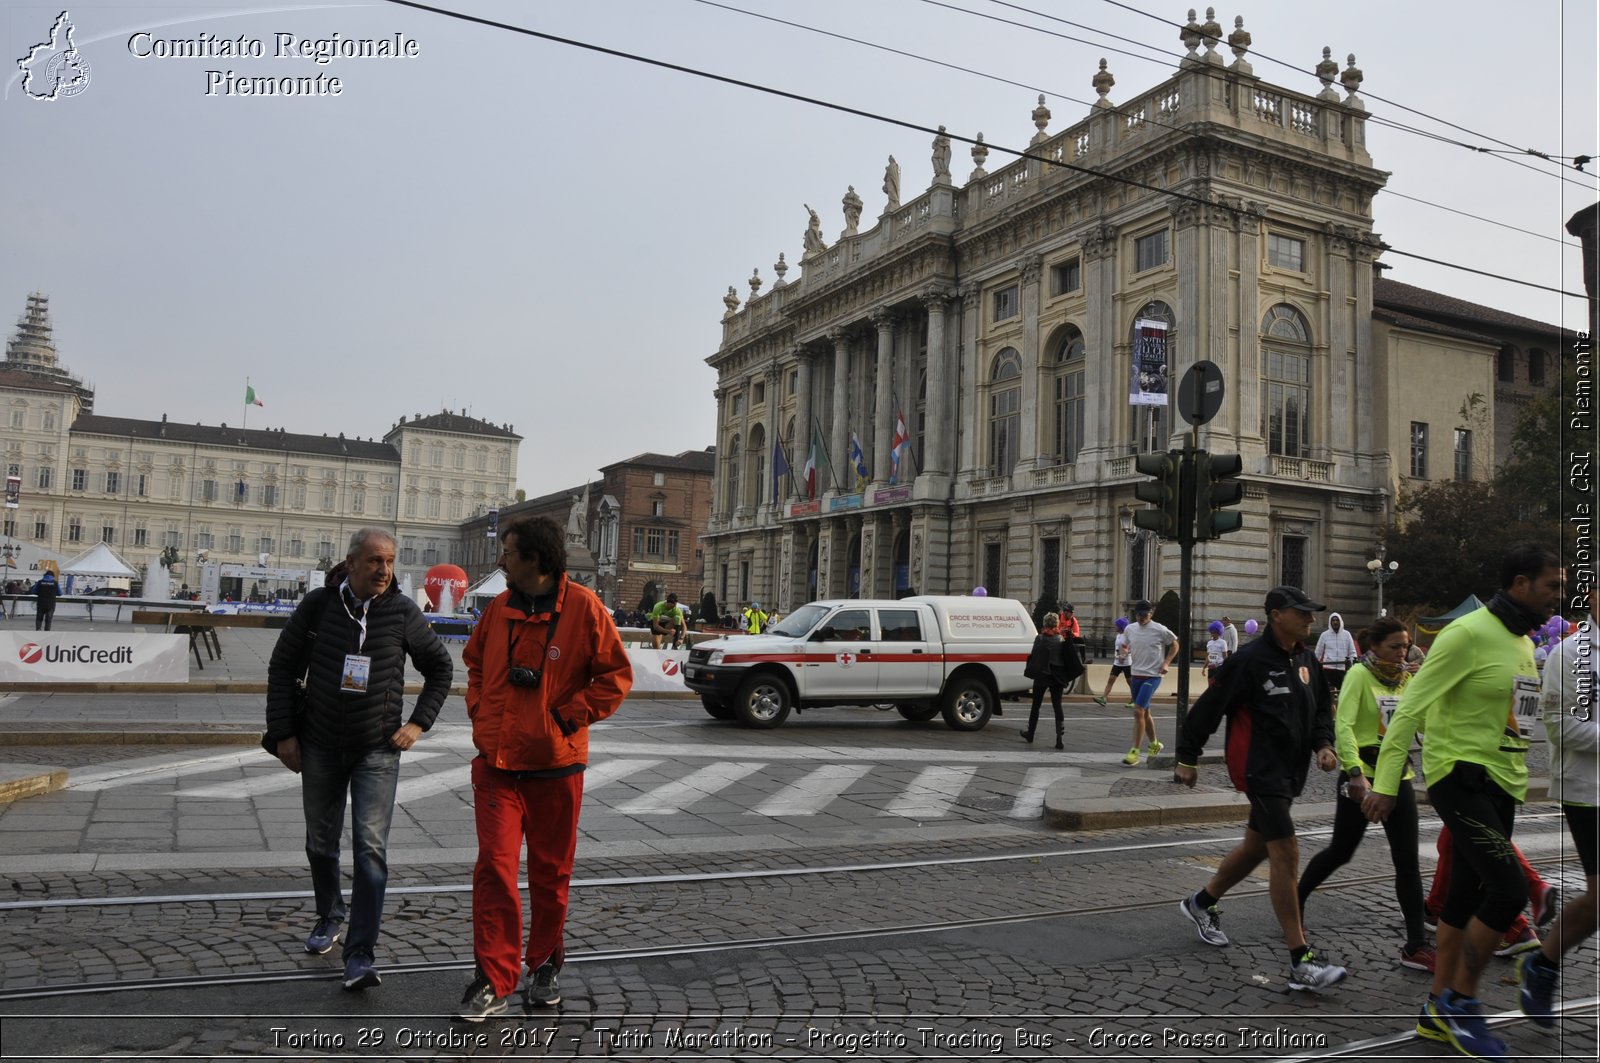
[(1149, 384), (83, 657)]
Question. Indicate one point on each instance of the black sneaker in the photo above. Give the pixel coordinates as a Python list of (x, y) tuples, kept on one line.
[(359, 972), (479, 1001), (323, 936), (544, 990)]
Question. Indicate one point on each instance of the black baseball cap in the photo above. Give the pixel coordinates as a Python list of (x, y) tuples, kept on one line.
[(1143, 606), (1287, 597)]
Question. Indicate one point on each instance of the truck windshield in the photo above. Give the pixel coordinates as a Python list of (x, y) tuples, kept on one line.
[(797, 623)]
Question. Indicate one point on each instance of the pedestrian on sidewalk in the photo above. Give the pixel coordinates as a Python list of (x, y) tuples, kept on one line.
[(1571, 685), (1336, 651), (1279, 715), (1473, 698), (45, 592), (1151, 648), (1053, 664), (350, 640), (1120, 660), (543, 664), (1368, 698)]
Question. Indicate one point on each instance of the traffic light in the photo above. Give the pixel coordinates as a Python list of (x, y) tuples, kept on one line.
[(1161, 491), (1216, 486)]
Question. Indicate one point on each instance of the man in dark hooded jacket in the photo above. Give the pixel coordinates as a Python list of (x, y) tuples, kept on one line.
[(350, 640)]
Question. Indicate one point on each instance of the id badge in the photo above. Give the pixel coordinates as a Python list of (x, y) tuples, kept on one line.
[(1525, 702), (354, 676)]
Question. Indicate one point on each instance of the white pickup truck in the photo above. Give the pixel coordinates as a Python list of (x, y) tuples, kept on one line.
[(924, 655)]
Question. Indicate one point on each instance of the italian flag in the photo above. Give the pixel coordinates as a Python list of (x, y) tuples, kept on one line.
[(250, 397)]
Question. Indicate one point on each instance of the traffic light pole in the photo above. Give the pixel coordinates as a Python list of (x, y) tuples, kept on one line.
[(1187, 493)]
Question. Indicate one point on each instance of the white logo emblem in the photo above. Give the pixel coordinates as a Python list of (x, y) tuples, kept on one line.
[(845, 659), (55, 68)]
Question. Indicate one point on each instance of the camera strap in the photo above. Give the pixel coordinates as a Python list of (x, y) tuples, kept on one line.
[(511, 639)]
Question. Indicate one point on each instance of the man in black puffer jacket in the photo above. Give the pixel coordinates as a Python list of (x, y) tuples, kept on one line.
[(350, 639)]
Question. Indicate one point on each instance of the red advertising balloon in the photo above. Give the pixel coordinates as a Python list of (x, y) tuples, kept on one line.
[(441, 576)]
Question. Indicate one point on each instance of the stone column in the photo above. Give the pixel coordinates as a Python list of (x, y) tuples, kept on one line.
[(1246, 368), (1028, 434), (802, 415), (968, 414), (1337, 405), (719, 508), (883, 400), (1366, 250), (1105, 390), (936, 444), (839, 433)]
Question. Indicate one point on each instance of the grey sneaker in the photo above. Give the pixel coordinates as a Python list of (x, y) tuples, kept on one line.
[(324, 936), (544, 989), (1312, 973), (1208, 921), (479, 1001), (359, 973)]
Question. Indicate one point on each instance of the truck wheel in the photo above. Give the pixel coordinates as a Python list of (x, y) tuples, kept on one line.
[(968, 704), (763, 701), (717, 710), (919, 713)]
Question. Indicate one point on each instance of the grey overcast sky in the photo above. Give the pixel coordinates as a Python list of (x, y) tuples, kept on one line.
[(542, 235)]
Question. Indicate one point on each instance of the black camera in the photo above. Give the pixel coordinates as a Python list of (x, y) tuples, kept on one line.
[(525, 677)]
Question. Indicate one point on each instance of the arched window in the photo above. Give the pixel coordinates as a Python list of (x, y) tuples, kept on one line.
[(1537, 360), (1286, 390), (758, 464), (731, 498), (1005, 411), (1152, 423), (794, 461), (1068, 363)]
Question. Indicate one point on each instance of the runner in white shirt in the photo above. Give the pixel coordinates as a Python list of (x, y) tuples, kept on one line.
[(1151, 650)]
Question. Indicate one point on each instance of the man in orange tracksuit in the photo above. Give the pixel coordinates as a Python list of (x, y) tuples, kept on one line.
[(543, 663)]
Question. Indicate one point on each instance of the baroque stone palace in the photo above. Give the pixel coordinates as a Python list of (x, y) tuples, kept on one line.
[(1025, 325), (235, 493)]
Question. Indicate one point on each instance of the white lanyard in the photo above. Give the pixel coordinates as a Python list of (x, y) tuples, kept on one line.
[(360, 621)]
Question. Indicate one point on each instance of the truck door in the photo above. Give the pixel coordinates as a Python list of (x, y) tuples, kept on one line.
[(841, 662), (908, 662)]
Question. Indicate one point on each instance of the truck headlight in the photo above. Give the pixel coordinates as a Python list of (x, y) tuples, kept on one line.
[(715, 658)]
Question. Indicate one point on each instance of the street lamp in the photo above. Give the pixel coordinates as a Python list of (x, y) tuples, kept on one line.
[(1138, 547), (1381, 574)]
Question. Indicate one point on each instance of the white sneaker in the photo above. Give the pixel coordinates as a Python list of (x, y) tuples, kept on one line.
[(1208, 921), (1312, 973)]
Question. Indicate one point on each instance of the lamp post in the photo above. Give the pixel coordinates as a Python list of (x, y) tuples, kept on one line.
[(1381, 573), (1137, 537)]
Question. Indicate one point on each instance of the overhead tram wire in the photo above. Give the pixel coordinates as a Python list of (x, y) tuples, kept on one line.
[(1387, 122), (898, 122), (1384, 99), (1057, 94)]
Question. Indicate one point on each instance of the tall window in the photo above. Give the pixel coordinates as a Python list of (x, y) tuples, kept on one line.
[(1066, 277), (80, 479), (1150, 251), (1419, 450), (991, 568), (113, 482), (1069, 409), (74, 529), (1049, 567), (731, 499), (1463, 453), (108, 534), (1536, 366), (1286, 398), (44, 477), (1293, 562), (1005, 411), (1005, 303), (1506, 366), (1285, 252), (758, 464)]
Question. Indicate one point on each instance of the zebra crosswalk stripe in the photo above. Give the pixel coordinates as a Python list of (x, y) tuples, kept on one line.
[(808, 796), (679, 795), (932, 792)]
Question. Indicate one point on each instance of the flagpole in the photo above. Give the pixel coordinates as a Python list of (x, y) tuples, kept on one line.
[(833, 470)]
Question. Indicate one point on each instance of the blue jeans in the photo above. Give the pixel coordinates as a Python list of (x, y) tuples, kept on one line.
[(369, 777)]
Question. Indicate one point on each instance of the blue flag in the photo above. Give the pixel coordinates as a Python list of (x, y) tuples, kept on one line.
[(780, 469), (859, 460)]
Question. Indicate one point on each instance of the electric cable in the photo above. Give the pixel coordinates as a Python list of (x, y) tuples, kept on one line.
[(899, 122)]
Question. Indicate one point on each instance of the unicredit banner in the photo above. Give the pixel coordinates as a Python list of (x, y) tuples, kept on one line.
[(81, 657)]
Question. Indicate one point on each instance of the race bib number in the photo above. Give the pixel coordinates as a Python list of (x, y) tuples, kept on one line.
[(1386, 707), (1525, 703)]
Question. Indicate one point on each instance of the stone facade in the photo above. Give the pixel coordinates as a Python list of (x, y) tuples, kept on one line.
[(1001, 319)]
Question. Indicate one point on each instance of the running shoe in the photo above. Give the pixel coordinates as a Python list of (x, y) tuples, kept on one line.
[(1461, 1019), (1545, 904), (1154, 748), (1421, 958), (1099, 699), (1538, 988), (323, 936), (544, 991), (1428, 1027), (1132, 758), (1517, 944), (359, 972), (479, 1001), (1312, 973), (1208, 921)]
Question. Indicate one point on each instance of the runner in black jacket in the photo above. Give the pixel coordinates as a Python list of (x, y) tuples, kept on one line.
[(1279, 713)]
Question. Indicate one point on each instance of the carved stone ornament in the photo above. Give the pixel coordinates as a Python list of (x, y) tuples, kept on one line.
[(780, 267), (941, 157), (755, 281), (1239, 44), (980, 153), (1041, 119), (891, 185), (1189, 34), (1102, 82), (731, 301), (1351, 80), (1212, 30), (852, 210), (1327, 72)]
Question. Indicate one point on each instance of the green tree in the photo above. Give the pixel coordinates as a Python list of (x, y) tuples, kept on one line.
[(1452, 536), (1534, 473)]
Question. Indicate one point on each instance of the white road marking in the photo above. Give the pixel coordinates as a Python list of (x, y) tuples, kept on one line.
[(238, 789), (130, 772), (808, 796), (932, 792), (1030, 796), (677, 796)]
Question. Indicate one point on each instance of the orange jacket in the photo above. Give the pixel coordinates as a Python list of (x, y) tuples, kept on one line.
[(586, 676)]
